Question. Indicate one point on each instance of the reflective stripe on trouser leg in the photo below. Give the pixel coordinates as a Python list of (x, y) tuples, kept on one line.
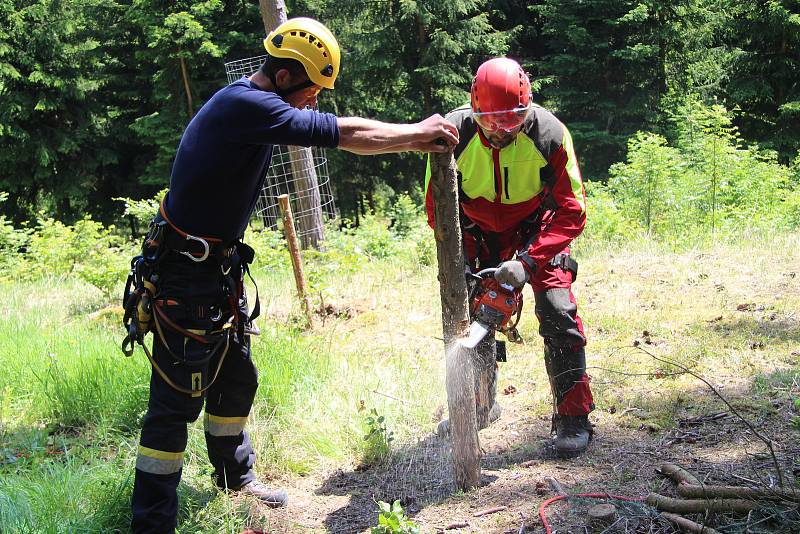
[(158, 462), (217, 425), (485, 379), (228, 403)]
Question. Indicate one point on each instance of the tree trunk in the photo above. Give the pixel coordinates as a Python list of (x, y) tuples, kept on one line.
[(273, 13), (187, 88), (309, 215), (455, 322)]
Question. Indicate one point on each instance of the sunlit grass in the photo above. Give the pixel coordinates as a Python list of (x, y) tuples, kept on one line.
[(71, 403)]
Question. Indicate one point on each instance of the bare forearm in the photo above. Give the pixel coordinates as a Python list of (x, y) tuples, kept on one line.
[(367, 136)]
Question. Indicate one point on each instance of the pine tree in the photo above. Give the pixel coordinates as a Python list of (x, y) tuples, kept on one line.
[(765, 74), (608, 59), (52, 124)]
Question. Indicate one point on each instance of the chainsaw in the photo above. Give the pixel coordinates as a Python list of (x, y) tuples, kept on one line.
[(494, 307)]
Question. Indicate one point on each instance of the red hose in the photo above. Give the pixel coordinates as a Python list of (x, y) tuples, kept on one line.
[(550, 501)]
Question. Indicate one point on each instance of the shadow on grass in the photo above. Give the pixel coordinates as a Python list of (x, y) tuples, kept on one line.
[(770, 326)]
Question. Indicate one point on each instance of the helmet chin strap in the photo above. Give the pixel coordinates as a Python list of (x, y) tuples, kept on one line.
[(266, 68)]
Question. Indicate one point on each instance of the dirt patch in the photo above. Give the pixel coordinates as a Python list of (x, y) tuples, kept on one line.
[(517, 462)]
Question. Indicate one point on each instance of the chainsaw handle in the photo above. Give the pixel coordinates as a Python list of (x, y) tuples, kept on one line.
[(486, 273), (489, 273)]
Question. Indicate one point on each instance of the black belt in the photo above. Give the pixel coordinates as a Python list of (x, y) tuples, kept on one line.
[(197, 248)]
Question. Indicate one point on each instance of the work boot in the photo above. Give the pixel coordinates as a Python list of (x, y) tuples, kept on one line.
[(274, 498), (573, 433), (443, 428)]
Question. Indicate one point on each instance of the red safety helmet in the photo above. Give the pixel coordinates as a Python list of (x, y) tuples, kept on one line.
[(501, 95)]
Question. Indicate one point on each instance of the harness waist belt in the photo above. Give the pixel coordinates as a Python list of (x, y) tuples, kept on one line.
[(196, 248)]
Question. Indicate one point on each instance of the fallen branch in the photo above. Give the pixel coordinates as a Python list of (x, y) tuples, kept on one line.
[(490, 511), (765, 440), (457, 524), (687, 525), (678, 474), (681, 506), (714, 492)]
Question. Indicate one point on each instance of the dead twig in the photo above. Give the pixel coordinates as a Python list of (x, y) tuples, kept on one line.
[(687, 525), (747, 423), (382, 394), (455, 525), (488, 511)]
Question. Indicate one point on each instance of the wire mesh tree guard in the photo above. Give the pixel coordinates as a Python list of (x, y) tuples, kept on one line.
[(300, 172)]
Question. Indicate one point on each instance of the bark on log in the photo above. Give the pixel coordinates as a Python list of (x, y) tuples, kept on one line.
[(678, 474), (294, 253), (273, 14), (682, 506), (736, 492), (687, 525), (455, 322), (309, 219)]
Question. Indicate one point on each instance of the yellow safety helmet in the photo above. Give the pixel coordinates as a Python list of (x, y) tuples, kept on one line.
[(309, 42)]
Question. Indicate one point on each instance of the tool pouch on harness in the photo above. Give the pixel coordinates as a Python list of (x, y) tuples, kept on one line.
[(140, 288)]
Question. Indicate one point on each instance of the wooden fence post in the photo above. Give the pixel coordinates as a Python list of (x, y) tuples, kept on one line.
[(455, 322), (294, 252)]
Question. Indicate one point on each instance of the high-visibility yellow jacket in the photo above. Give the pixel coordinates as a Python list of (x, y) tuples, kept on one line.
[(499, 189)]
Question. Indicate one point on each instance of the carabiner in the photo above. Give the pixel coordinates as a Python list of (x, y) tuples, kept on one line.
[(206, 249)]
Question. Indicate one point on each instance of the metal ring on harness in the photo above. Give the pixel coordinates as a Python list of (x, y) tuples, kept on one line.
[(206, 249)]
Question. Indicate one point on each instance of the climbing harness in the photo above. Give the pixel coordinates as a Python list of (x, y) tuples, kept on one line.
[(146, 309)]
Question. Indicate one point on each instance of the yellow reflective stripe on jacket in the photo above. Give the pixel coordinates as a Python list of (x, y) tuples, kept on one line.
[(573, 171), (158, 462), (519, 166), (223, 426), (477, 170)]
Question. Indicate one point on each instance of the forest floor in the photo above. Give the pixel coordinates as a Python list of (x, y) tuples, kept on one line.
[(657, 321), (734, 323)]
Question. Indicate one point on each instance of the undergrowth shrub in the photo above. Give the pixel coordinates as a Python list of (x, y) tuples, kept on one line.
[(705, 183), (86, 249)]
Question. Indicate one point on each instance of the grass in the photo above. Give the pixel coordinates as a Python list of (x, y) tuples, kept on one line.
[(71, 404)]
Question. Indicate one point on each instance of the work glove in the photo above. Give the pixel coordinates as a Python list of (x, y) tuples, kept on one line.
[(512, 273)]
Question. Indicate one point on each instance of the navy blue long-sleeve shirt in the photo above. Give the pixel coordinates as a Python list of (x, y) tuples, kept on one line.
[(225, 152)]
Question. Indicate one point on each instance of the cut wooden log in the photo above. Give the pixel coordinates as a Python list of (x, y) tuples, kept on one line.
[(690, 506), (693, 491), (687, 525), (678, 474)]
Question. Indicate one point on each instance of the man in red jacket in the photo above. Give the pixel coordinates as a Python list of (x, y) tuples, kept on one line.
[(522, 203)]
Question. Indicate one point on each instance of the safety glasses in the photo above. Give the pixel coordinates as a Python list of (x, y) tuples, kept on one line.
[(506, 120)]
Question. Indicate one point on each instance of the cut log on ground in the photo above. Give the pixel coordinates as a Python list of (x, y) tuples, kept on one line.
[(693, 491), (692, 506), (687, 525), (678, 474)]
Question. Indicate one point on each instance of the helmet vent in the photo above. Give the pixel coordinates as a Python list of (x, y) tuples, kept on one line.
[(303, 34), (277, 40)]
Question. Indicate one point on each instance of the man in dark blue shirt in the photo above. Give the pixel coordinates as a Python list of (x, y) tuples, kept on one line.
[(188, 282)]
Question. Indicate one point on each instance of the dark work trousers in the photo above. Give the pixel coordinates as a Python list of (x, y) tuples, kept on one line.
[(194, 297)]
